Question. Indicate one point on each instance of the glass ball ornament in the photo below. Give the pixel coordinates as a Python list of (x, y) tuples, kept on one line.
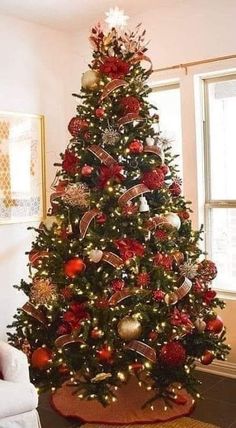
[(173, 220), (129, 328)]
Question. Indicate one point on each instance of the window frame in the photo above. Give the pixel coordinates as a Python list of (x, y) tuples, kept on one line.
[(208, 202)]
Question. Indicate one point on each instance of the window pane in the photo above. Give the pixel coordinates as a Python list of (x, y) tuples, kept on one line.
[(222, 138), (223, 246), (167, 100)]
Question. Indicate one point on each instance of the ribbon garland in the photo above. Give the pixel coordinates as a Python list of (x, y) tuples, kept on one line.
[(112, 86), (102, 155), (113, 259), (142, 349), (119, 296), (131, 193), (153, 222), (129, 117), (36, 255), (86, 220), (155, 150), (141, 57), (180, 293), (67, 339), (35, 313)]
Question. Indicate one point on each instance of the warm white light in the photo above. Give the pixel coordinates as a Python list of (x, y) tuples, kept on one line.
[(116, 17)]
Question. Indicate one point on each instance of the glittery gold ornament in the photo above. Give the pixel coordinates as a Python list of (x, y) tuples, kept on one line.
[(129, 328), (90, 80), (77, 195), (42, 292)]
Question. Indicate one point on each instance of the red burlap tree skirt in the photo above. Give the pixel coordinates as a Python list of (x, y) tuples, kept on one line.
[(126, 410)]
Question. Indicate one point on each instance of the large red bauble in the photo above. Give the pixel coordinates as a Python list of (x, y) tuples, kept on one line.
[(172, 355), (215, 325), (73, 267), (40, 358), (99, 112), (77, 125), (207, 358), (136, 146)]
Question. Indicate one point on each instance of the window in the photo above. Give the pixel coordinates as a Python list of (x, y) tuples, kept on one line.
[(167, 99), (220, 177)]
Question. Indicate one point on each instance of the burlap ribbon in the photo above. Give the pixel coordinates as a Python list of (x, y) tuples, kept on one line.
[(35, 313), (102, 155), (128, 118), (112, 259), (119, 296), (131, 193), (141, 57), (67, 339), (173, 297), (142, 349)]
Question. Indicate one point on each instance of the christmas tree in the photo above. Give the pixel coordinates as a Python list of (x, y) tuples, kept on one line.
[(118, 284)]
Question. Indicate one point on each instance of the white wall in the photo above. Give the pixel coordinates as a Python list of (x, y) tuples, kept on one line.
[(37, 75)]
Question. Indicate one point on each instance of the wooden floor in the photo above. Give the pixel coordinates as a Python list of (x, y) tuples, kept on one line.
[(218, 406)]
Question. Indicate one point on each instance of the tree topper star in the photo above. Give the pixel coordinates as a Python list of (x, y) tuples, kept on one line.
[(116, 17)]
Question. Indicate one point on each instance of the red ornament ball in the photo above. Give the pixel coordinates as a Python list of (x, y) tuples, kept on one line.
[(117, 284), (136, 146), (207, 270), (96, 333), (175, 189), (87, 170), (153, 179), (143, 279), (207, 358), (215, 325), (99, 112), (77, 125), (130, 105), (101, 218), (158, 295), (172, 355), (73, 267), (105, 354), (41, 358), (165, 169)]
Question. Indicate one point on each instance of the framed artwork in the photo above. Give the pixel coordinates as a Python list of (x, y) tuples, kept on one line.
[(22, 168)]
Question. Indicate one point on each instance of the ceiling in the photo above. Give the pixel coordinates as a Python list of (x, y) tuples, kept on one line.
[(71, 15)]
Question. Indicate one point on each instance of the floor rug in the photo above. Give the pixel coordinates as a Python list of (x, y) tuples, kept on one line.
[(178, 423), (126, 410)]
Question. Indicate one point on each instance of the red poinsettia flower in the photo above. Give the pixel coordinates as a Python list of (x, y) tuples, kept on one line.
[(208, 296), (70, 162), (76, 313), (130, 105), (158, 295), (179, 318), (114, 67), (129, 248), (110, 172), (163, 260), (117, 284)]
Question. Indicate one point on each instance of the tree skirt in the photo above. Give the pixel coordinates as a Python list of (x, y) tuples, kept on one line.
[(178, 423), (126, 410)]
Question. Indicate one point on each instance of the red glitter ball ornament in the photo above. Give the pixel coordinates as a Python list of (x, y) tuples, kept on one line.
[(73, 267), (175, 189), (161, 235), (153, 179), (215, 325), (158, 295), (117, 284), (172, 355), (130, 105), (143, 279), (87, 170), (136, 146), (207, 270), (77, 125), (41, 358), (99, 112), (105, 354), (165, 169), (207, 358), (101, 218)]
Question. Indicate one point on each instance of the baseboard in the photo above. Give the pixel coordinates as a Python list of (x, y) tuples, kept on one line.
[(222, 368)]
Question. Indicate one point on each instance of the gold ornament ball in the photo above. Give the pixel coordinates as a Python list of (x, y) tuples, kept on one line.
[(90, 80), (129, 328)]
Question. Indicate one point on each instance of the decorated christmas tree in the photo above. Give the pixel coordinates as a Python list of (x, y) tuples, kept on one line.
[(118, 284)]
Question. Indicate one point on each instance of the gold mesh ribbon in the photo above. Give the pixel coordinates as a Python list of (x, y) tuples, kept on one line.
[(131, 193), (156, 151), (142, 349), (102, 155), (67, 339), (35, 313), (86, 220), (128, 118), (113, 259), (112, 86)]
